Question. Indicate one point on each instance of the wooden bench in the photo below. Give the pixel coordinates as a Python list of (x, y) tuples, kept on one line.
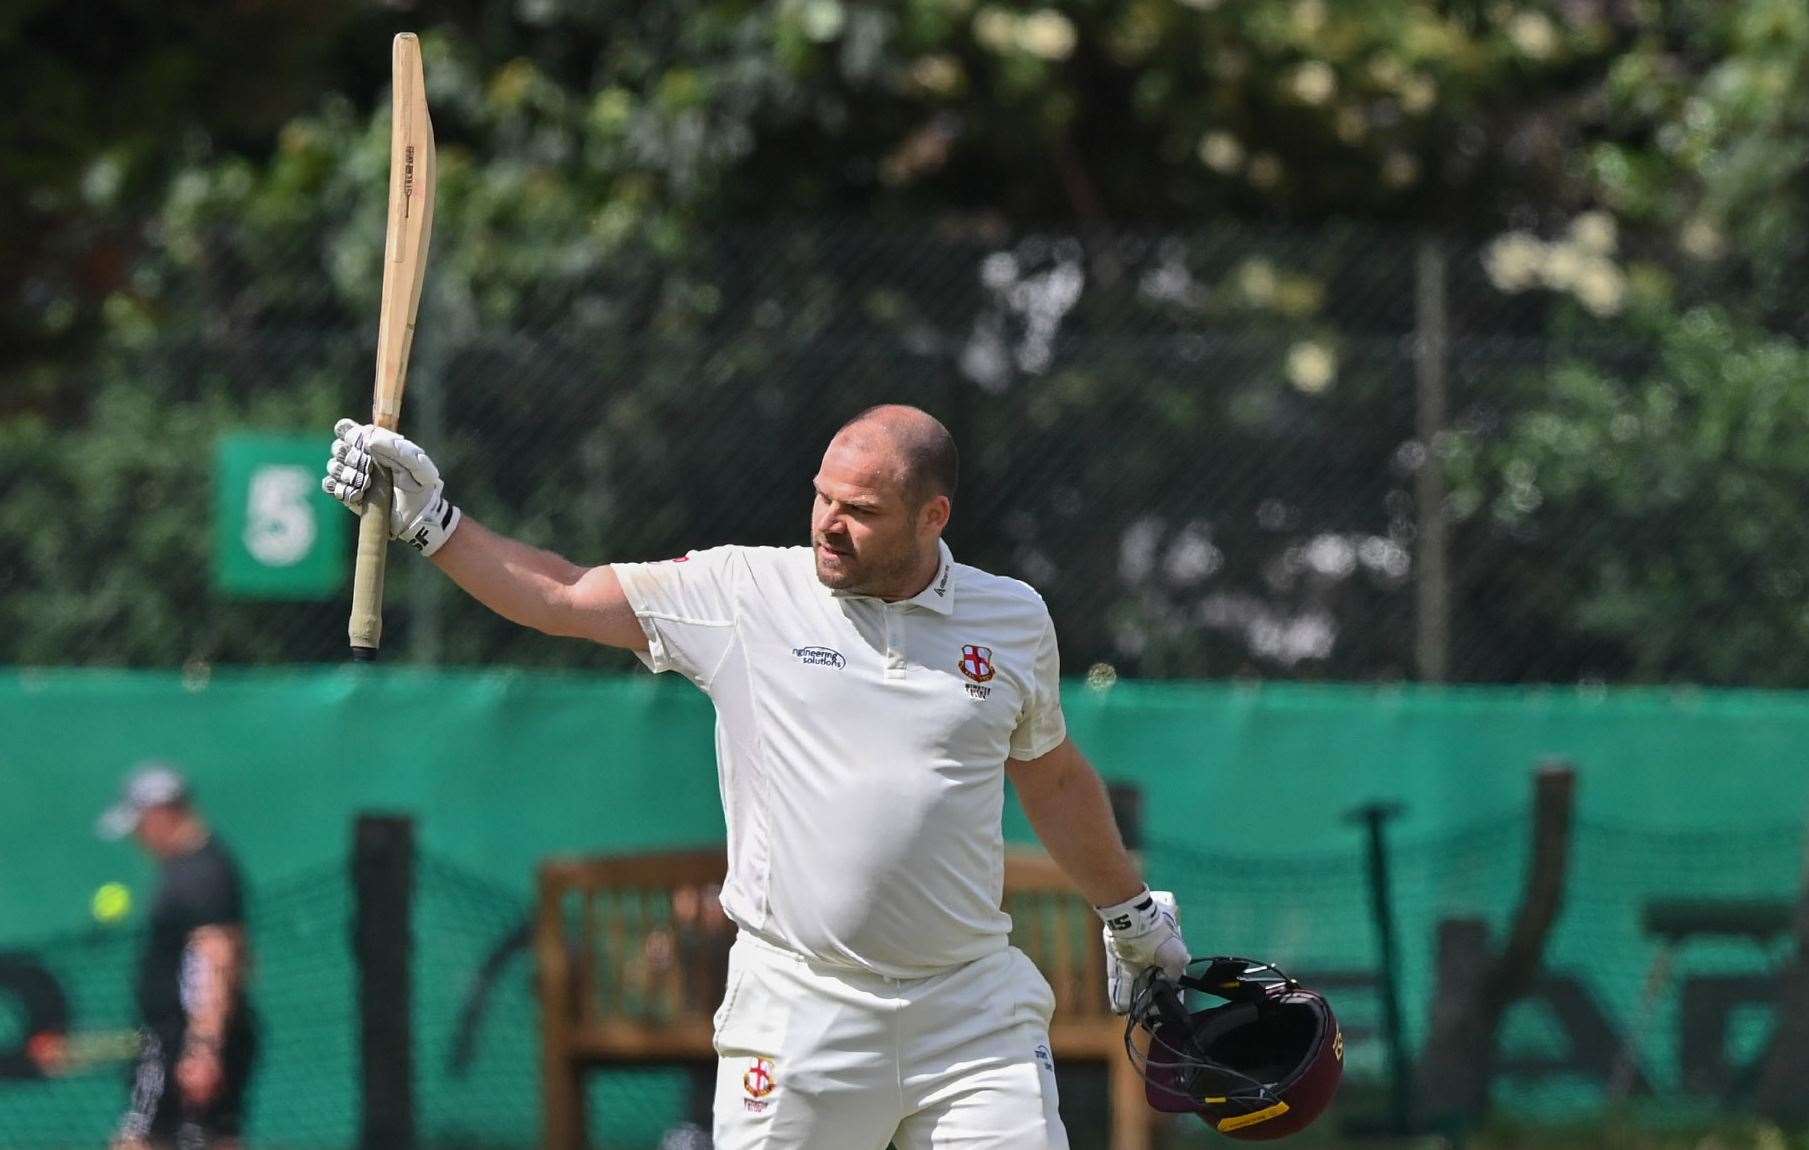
[(632, 954)]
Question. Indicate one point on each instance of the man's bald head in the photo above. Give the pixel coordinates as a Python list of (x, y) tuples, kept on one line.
[(882, 501), (926, 451)]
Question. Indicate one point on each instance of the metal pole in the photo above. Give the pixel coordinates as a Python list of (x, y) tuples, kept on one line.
[(383, 888), (1374, 817), (1432, 630)]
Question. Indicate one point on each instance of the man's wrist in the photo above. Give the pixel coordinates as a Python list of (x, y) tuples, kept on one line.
[(436, 525), (1127, 915)]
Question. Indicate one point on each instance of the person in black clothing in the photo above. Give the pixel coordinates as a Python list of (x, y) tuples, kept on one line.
[(198, 1034)]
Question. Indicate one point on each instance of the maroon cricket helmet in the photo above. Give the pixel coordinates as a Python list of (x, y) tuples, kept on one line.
[(1262, 1065)]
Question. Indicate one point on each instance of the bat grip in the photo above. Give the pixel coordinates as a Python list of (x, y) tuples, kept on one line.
[(366, 625)]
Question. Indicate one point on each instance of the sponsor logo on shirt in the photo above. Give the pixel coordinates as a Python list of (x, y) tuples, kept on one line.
[(819, 657), (976, 662), (1043, 1056)]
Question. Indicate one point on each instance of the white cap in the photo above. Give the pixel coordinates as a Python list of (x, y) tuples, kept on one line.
[(151, 784)]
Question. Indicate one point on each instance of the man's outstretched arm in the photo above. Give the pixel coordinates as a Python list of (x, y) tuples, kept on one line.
[(539, 589), (523, 584), (1072, 817)]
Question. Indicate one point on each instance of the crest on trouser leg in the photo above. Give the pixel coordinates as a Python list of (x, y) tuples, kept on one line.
[(758, 1082)]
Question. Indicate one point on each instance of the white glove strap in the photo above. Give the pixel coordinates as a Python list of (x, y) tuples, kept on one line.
[(430, 530), (1134, 916)]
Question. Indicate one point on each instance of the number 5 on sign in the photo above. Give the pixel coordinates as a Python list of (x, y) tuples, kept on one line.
[(280, 530), (276, 534)]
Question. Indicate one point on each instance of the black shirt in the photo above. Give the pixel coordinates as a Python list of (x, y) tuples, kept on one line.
[(198, 889)]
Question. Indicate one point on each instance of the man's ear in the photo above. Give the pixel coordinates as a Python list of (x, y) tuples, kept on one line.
[(935, 513)]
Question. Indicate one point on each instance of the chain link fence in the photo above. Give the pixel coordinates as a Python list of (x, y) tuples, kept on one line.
[(1338, 453)]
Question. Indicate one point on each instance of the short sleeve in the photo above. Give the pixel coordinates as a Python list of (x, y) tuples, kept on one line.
[(210, 895), (686, 608), (1041, 726)]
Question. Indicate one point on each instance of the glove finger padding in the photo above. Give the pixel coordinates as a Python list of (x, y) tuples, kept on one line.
[(1141, 932), (341, 492), (346, 484), (351, 456), (351, 480), (348, 475)]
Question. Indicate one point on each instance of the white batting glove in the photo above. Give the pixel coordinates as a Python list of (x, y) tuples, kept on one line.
[(1141, 932), (419, 512)]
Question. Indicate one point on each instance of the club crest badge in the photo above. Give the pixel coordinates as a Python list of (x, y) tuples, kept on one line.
[(759, 1079), (976, 662)]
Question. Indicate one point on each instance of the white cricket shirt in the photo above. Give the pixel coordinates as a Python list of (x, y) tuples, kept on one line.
[(861, 745)]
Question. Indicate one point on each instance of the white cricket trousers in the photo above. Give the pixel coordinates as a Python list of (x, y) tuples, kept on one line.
[(811, 1057)]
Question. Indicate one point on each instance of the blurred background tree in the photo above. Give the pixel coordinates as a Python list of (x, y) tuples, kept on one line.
[(618, 192), (1684, 116)]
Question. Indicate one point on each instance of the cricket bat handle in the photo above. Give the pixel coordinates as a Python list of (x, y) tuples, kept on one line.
[(366, 624)]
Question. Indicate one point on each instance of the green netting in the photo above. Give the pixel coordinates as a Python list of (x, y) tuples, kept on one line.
[(1247, 798)]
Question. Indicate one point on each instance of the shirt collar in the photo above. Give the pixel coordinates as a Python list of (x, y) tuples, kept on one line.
[(939, 596)]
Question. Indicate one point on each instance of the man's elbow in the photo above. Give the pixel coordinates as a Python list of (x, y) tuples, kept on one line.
[(594, 606), (569, 609), (559, 616)]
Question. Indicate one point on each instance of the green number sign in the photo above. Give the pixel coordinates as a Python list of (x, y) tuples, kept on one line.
[(277, 535)]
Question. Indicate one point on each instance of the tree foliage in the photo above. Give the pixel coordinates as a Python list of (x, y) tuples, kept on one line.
[(620, 192)]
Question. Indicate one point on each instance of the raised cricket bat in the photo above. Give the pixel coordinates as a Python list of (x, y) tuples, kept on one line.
[(411, 180)]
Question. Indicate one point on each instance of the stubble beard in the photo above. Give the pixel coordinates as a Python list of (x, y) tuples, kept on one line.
[(837, 580), (857, 578)]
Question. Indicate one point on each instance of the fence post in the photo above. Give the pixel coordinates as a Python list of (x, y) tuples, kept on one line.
[(561, 1077), (1432, 617), (1474, 991), (383, 887), (1374, 818)]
